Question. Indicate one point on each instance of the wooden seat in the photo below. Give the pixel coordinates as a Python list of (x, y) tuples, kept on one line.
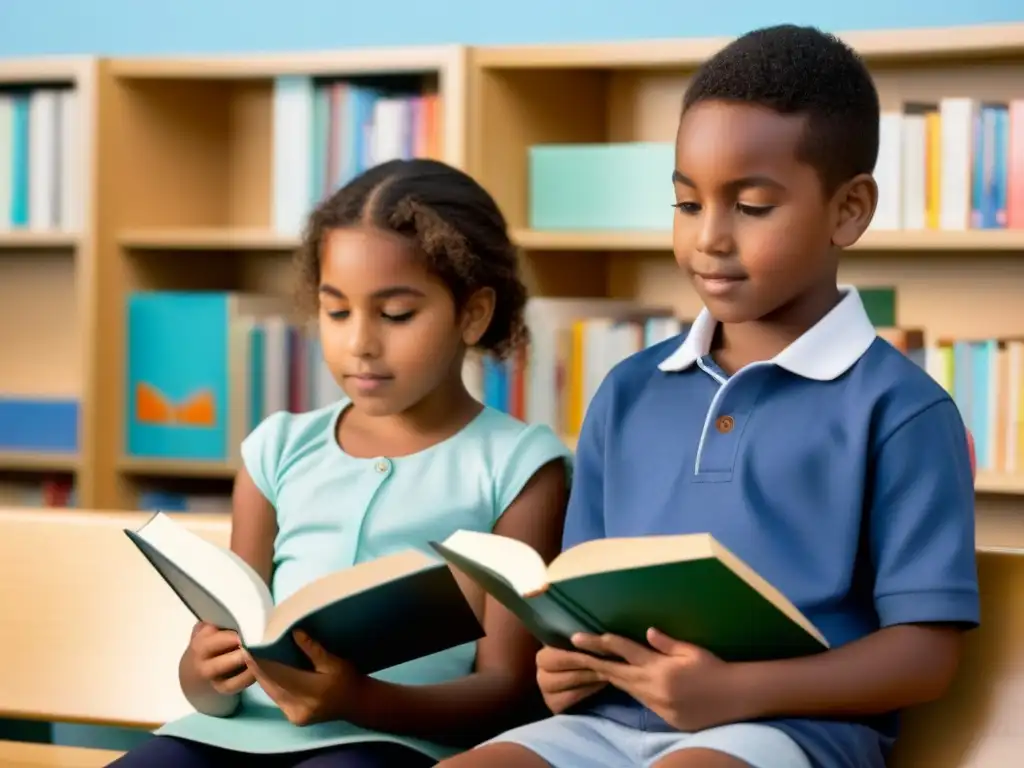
[(14, 754), (91, 634), (979, 723)]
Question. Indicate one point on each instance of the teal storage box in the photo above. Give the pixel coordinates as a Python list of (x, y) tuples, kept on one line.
[(601, 186)]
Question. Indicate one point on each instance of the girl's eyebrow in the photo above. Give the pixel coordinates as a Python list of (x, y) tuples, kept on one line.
[(383, 293)]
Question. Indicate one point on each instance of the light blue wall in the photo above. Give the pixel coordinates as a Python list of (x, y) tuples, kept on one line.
[(134, 27), (121, 27)]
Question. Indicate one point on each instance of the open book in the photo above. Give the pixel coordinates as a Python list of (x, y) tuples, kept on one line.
[(690, 587), (375, 615)]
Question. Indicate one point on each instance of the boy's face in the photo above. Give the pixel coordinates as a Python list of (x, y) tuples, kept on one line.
[(753, 228)]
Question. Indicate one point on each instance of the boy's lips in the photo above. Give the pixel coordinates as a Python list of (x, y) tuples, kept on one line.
[(719, 283)]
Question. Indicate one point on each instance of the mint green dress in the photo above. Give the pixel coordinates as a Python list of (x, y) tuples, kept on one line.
[(335, 510)]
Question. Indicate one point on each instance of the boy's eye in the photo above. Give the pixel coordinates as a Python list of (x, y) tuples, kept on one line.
[(338, 314), (399, 317), (754, 210), (688, 208)]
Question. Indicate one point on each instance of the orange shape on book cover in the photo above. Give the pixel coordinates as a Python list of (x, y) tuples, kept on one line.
[(153, 407)]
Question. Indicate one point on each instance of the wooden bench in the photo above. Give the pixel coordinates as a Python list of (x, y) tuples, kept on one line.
[(90, 634)]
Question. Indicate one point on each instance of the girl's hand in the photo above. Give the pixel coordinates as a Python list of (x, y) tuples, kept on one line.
[(326, 693), (219, 659), (688, 687), (565, 679)]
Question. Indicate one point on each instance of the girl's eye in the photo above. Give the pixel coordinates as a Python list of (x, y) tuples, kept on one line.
[(754, 210), (688, 208), (402, 317), (340, 314)]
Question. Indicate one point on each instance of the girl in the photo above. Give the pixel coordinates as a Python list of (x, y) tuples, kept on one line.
[(409, 266)]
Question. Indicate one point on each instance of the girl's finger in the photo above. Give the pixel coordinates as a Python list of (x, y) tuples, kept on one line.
[(226, 665)]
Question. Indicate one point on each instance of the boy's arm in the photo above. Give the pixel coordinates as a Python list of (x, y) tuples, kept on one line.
[(921, 545)]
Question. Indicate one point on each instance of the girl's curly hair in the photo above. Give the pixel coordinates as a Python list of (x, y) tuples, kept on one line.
[(451, 219)]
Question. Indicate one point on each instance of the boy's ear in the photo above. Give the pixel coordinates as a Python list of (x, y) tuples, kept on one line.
[(855, 203), (476, 315)]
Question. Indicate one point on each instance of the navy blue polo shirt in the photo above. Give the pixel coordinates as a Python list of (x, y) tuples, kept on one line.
[(838, 470)]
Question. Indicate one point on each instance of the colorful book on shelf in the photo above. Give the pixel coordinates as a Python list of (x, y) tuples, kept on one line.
[(953, 164), (689, 586), (573, 345), (38, 159), (328, 131), (375, 615), (985, 378)]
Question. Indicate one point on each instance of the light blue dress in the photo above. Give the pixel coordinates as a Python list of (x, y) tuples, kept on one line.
[(335, 510)]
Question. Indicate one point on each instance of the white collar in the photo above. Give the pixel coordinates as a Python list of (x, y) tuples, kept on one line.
[(824, 352)]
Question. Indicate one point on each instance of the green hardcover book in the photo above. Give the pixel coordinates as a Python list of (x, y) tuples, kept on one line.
[(375, 615), (690, 587)]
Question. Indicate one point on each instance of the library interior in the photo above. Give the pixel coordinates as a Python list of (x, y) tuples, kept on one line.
[(155, 178)]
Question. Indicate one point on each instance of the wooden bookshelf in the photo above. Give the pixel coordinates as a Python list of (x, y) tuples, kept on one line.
[(186, 157), (175, 194), (953, 284), (47, 278)]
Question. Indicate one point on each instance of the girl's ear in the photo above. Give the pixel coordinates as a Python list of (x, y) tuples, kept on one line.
[(476, 315)]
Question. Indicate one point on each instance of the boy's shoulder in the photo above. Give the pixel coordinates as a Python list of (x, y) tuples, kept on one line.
[(895, 387), (638, 368)]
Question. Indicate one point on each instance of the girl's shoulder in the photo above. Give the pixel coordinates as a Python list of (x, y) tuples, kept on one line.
[(283, 437), (511, 451)]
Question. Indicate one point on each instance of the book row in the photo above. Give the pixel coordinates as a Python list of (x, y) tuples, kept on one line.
[(328, 131), (985, 377), (954, 165), (38, 159)]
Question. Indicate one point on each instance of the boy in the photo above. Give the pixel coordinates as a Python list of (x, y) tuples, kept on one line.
[(783, 426)]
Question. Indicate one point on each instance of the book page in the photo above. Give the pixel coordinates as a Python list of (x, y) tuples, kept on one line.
[(515, 562), (210, 580)]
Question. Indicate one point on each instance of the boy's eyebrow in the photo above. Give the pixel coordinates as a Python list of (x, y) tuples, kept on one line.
[(383, 293), (745, 182)]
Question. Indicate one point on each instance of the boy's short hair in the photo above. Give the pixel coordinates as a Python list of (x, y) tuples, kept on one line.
[(801, 70)]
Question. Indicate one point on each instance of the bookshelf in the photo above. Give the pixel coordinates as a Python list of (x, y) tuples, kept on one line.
[(192, 201), (951, 284), (47, 276)]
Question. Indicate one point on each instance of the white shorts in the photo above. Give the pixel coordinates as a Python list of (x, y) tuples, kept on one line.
[(587, 741)]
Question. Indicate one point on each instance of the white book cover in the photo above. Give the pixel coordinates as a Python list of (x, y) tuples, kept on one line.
[(43, 167), (391, 119), (6, 160), (889, 171), (70, 196), (956, 157), (292, 172), (914, 175)]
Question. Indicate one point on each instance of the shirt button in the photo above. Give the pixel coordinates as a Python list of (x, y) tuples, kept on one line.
[(725, 424), (382, 466)]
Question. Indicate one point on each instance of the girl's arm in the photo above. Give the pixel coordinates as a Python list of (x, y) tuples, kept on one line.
[(502, 688), (253, 528)]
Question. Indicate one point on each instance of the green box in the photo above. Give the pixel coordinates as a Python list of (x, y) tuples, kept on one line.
[(601, 186)]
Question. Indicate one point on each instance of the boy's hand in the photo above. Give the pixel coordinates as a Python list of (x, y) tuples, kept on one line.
[(309, 697), (564, 678), (687, 686), (219, 659)]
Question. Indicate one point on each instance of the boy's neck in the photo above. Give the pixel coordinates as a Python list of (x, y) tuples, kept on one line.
[(736, 345)]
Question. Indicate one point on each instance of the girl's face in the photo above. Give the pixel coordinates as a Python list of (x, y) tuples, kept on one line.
[(388, 326)]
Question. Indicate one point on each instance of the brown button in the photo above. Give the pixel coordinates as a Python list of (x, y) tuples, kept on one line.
[(725, 423)]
